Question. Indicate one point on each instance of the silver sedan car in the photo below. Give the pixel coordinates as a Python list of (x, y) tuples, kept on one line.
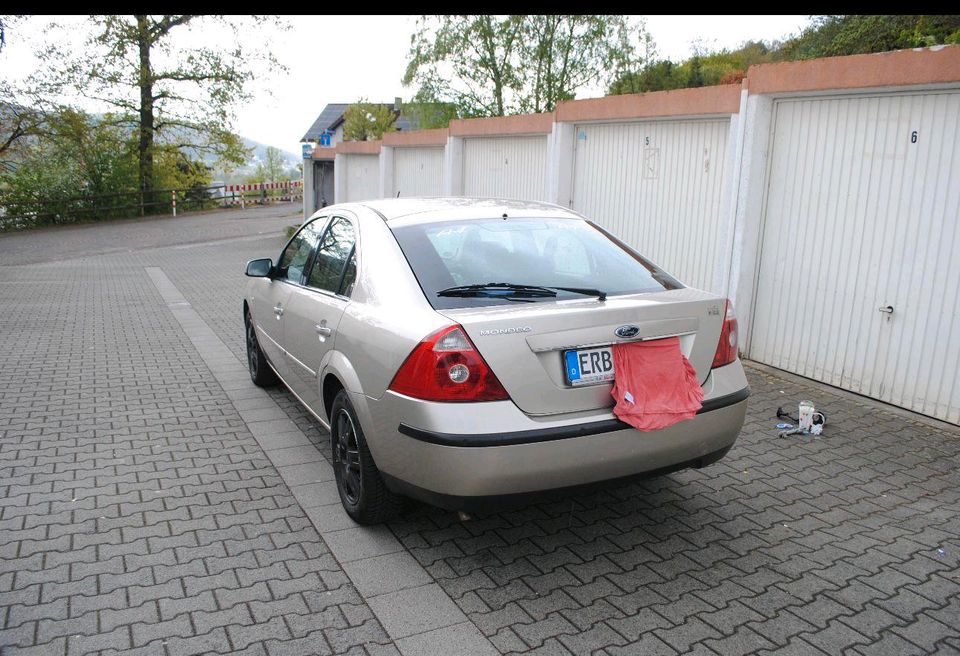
[(431, 335)]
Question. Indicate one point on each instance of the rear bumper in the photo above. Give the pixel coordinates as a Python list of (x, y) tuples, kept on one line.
[(452, 469), (501, 502), (536, 435)]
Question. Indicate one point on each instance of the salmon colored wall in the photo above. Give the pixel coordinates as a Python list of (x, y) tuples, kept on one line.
[(723, 99), (417, 138), (502, 125), (886, 69), (939, 64), (358, 147)]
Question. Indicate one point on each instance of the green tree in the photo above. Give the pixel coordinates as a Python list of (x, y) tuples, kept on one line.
[(833, 35), (19, 124), (497, 65), (563, 53), (826, 36), (75, 156), (656, 76), (426, 112), (20, 119), (366, 121), (695, 77), (172, 96), (482, 52), (271, 169), (630, 60)]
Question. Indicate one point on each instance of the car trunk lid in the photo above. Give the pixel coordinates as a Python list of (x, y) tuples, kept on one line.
[(523, 344)]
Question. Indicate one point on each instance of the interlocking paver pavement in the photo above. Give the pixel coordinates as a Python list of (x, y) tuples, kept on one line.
[(138, 513)]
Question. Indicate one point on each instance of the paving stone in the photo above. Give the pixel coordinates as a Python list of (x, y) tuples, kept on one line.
[(317, 494), (303, 473), (361, 542), (415, 610), (461, 638), (179, 509), (294, 454), (329, 518), (388, 573)]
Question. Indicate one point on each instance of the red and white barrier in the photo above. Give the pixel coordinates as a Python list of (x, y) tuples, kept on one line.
[(236, 193), (260, 186)]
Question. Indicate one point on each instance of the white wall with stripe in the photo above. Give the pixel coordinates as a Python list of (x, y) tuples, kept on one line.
[(418, 171), (505, 167), (362, 177), (659, 185), (858, 280)]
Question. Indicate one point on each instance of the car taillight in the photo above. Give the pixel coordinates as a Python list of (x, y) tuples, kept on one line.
[(727, 347), (446, 367)]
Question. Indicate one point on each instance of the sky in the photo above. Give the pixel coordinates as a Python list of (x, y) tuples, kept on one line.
[(343, 58)]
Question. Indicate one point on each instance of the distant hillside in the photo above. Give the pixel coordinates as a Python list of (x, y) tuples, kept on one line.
[(290, 160), (260, 152)]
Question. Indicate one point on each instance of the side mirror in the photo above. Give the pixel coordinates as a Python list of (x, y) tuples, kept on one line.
[(260, 268)]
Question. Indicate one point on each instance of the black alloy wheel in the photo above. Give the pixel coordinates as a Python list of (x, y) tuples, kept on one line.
[(347, 457), (260, 372)]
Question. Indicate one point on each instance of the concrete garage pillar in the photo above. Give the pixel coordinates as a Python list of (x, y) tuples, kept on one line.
[(309, 195), (757, 114), (729, 198), (339, 179), (386, 172), (453, 167), (560, 164)]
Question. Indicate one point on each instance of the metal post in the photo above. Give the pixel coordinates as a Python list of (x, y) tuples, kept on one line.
[(174, 202), (243, 193)]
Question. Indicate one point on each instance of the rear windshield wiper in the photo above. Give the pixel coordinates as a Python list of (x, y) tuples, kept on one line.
[(491, 289), (517, 290)]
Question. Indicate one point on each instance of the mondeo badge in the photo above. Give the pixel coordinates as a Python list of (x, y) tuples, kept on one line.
[(506, 331), (627, 331)]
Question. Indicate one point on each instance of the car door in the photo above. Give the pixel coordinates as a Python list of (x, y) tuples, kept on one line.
[(314, 309), (268, 305)]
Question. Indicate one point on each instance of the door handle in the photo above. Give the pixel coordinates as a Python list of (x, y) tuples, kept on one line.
[(886, 308), (278, 310), (323, 330)]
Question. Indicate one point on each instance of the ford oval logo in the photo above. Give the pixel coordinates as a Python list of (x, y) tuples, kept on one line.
[(627, 331)]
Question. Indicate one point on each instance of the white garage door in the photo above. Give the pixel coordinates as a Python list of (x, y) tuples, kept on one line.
[(363, 177), (505, 167), (860, 253), (657, 185), (418, 172)]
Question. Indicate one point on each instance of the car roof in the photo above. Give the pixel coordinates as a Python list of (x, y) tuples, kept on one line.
[(453, 208)]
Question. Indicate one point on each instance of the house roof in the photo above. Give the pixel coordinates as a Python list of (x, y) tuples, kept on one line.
[(332, 116)]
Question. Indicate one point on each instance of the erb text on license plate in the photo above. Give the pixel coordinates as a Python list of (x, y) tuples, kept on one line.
[(589, 366)]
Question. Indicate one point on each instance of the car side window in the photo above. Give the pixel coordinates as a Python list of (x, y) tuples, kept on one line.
[(335, 248), (296, 255), (349, 275)]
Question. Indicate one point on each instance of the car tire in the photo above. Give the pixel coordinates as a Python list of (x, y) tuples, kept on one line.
[(260, 372), (363, 493)]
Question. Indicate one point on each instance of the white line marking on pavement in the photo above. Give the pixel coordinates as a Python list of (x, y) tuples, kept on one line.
[(416, 612)]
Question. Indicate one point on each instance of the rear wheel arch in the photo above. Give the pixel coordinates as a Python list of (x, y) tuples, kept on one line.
[(338, 373), (328, 392)]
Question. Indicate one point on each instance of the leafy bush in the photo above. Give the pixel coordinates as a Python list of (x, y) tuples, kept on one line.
[(827, 36)]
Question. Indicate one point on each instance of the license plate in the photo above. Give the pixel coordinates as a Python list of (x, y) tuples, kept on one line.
[(589, 366)]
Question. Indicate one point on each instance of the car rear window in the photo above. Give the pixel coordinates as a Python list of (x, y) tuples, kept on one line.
[(528, 251)]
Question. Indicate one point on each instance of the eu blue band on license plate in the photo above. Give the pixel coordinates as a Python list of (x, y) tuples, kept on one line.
[(573, 366)]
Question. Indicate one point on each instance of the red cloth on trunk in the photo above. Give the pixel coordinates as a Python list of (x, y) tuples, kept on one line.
[(654, 385)]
